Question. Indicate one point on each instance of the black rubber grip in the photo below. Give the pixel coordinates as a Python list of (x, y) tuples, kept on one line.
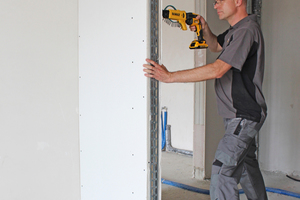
[(190, 16)]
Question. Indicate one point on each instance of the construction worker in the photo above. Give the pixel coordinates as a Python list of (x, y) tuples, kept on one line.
[(238, 74)]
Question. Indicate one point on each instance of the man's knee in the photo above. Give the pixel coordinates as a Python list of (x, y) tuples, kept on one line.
[(223, 185)]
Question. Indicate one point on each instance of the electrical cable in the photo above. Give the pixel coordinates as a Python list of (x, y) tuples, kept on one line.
[(203, 191), (293, 178), (170, 6)]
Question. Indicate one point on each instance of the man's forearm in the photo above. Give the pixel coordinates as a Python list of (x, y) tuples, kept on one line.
[(211, 40), (192, 75), (206, 72)]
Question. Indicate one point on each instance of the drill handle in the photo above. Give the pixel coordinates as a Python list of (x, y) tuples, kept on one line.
[(197, 24)]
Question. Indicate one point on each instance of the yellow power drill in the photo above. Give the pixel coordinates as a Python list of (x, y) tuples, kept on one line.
[(182, 18)]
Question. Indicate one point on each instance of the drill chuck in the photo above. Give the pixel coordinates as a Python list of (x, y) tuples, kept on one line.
[(166, 13)]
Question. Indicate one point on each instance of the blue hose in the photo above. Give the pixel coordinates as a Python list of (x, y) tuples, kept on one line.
[(283, 192), (185, 187), (202, 191)]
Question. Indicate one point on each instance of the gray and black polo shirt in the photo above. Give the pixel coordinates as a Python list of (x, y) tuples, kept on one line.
[(239, 91)]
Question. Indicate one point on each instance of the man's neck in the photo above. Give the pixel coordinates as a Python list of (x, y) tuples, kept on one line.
[(237, 17)]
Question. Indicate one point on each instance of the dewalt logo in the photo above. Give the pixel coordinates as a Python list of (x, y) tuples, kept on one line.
[(177, 14)]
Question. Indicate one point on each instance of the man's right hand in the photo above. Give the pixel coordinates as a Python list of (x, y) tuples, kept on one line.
[(203, 23), (210, 38)]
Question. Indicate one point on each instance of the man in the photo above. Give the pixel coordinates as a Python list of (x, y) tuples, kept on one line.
[(239, 74)]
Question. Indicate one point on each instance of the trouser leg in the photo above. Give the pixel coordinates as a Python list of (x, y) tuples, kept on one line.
[(224, 182), (251, 180), (229, 165)]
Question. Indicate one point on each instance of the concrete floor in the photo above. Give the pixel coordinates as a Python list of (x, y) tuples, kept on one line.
[(179, 168)]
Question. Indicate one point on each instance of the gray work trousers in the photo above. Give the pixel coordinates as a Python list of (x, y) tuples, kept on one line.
[(235, 162)]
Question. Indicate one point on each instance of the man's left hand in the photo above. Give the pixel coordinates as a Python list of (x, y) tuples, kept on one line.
[(159, 72)]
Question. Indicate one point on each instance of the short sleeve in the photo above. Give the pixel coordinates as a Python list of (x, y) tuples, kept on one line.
[(221, 38), (238, 46)]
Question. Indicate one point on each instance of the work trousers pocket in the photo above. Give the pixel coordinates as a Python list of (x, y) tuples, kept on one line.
[(230, 150), (233, 146)]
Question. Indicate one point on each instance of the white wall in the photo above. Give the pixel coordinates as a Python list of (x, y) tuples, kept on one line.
[(214, 128), (114, 100), (280, 136), (200, 106), (39, 146), (191, 128), (178, 97)]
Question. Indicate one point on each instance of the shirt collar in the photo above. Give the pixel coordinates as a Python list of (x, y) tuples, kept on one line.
[(252, 17)]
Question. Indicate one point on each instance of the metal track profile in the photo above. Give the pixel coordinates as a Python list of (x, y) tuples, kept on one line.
[(256, 9), (154, 107)]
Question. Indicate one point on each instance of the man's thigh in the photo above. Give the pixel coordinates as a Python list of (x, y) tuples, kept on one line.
[(239, 136)]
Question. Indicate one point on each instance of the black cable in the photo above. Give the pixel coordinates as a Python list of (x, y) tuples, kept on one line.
[(293, 178), (170, 6)]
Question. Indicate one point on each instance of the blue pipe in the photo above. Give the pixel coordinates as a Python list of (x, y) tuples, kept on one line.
[(163, 129), (202, 191)]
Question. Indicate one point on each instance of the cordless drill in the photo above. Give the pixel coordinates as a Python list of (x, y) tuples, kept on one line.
[(182, 18)]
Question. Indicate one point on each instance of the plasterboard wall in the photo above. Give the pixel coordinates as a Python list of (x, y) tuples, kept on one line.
[(279, 138), (39, 145), (114, 113)]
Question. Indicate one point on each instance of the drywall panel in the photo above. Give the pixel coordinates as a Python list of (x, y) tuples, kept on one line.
[(178, 97), (113, 99), (279, 138), (39, 140)]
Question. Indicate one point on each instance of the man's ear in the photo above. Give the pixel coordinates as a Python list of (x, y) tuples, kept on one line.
[(238, 3)]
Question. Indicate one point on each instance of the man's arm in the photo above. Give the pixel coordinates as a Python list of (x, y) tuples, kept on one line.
[(210, 38), (206, 72)]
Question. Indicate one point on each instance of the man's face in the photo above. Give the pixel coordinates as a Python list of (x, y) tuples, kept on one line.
[(225, 8)]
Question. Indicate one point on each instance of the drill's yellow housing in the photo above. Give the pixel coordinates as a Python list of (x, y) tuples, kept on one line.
[(177, 15), (184, 18)]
